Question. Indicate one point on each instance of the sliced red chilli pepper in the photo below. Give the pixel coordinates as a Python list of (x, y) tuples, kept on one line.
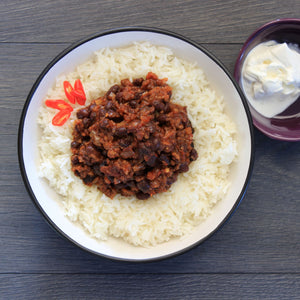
[(79, 95), (78, 86), (79, 92), (59, 104), (61, 117), (65, 109), (68, 91)]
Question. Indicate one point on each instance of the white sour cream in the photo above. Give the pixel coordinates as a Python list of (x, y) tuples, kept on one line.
[(271, 77)]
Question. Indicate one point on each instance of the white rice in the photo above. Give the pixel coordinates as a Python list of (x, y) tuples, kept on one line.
[(191, 198)]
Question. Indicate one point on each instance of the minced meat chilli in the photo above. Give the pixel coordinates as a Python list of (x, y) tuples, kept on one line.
[(133, 140)]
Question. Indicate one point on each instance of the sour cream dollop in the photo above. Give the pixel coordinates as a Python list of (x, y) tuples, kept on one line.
[(271, 77)]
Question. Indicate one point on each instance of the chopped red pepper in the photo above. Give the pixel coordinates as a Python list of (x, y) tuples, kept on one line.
[(61, 117), (68, 91), (59, 104), (78, 87), (79, 96), (65, 109), (76, 93)]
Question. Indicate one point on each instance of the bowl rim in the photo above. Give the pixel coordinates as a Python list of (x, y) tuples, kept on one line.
[(78, 44), (240, 57)]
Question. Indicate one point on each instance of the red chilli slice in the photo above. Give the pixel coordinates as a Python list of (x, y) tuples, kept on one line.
[(68, 91), (59, 104), (61, 117), (65, 109), (79, 92)]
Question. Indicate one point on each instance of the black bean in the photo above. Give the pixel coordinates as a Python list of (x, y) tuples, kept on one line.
[(86, 122), (114, 89), (74, 160), (102, 111), (171, 179), (162, 119), (119, 96), (96, 169), (120, 131), (151, 160), (88, 179), (184, 167), (142, 196), (110, 114), (109, 105), (143, 186), (93, 115), (138, 81), (193, 154), (83, 113), (92, 106), (103, 123), (78, 128), (159, 106), (167, 108), (75, 144), (131, 184), (155, 144), (89, 149), (133, 104), (120, 186)]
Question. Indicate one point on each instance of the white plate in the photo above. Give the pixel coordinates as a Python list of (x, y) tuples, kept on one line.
[(46, 199)]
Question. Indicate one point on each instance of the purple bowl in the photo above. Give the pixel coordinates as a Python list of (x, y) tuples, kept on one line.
[(285, 126)]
